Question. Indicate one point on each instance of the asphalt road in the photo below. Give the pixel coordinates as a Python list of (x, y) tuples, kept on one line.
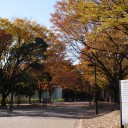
[(57, 115)]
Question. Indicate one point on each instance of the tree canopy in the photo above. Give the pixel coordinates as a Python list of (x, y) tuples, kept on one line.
[(97, 30)]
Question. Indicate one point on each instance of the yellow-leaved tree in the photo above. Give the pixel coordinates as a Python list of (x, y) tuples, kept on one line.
[(98, 31)]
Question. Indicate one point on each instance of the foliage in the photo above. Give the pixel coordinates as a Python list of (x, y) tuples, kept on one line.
[(101, 29), (20, 52)]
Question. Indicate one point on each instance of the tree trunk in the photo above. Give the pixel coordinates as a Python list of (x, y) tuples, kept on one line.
[(116, 95), (110, 98), (11, 97), (40, 95), (12, 93), (50, 97), (18, 102), (29, 99), (3, 101)]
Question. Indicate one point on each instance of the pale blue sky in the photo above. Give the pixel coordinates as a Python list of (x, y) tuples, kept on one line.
[(37, 10)]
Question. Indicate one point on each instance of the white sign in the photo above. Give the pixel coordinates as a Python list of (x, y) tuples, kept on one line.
[(124, 101)]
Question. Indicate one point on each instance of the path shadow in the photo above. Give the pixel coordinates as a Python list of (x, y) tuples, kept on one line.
[(103, 108), (69, 110)]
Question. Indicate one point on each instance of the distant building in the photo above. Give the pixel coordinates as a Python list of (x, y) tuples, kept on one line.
[(57, 94)]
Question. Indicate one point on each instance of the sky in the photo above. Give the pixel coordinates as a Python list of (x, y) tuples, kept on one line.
[(37, 10)]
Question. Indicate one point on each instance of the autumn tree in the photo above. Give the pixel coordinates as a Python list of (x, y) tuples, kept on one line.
[(26, 47), (19, 56), (23, 47), (5, 42), (61, 69), (40, 76), (93, 24)]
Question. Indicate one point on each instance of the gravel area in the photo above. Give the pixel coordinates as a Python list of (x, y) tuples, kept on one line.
[(108, 116), (109, 120)]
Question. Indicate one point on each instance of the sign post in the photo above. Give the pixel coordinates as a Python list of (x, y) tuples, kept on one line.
[(124, 102)]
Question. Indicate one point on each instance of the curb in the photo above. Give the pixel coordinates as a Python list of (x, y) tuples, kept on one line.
[(78, 123)]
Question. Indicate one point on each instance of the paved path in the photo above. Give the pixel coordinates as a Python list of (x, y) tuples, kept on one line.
[(59, 115)]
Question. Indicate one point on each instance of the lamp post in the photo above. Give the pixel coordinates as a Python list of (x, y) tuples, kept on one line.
[(90, 97), (96, 101)]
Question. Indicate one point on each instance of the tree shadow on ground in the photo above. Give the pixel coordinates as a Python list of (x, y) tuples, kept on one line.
[(72, 110), (103, 108)]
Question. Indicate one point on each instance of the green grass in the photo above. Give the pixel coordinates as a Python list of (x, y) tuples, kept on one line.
[(58, 100)]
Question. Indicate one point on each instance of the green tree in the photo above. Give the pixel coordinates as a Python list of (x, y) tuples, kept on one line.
[(24, 55)]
